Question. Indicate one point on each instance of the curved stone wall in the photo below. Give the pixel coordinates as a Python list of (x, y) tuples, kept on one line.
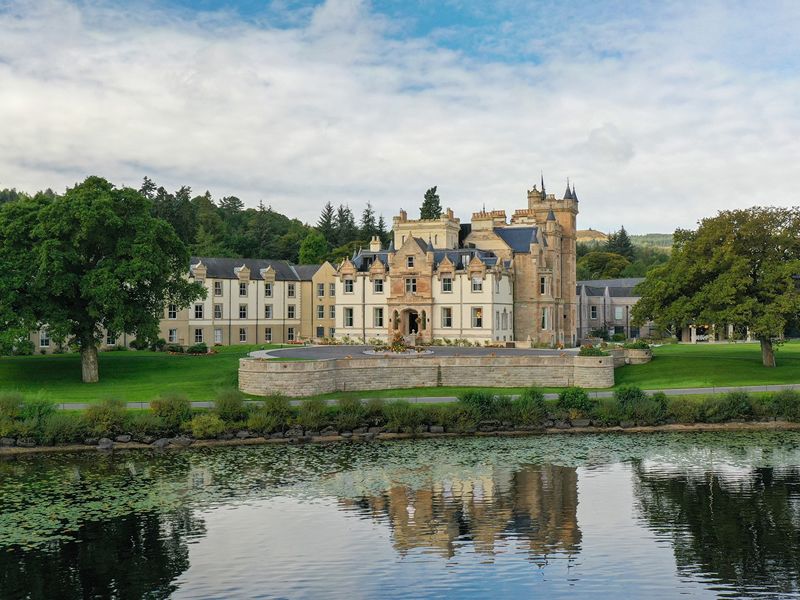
[(306, 378)]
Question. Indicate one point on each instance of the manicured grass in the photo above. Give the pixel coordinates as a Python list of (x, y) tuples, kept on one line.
[(133, 376), (708, 365)]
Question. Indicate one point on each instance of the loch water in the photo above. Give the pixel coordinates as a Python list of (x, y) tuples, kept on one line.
[(657, 515)]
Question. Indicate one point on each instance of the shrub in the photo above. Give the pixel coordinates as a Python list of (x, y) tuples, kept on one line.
[(487, 406), (173, 409), (530, 408), (139, 344), (684, 410), (106, 417), (37, 410), (273, 415), (590, 350), (607, 412), (312, 413), (200, 348), (158, 345), (403, 416), (650, 411), (10, 405), (733, 405), (373, 411), (351, 414), (575, 399), (637, 345), (618, 337), (145, 423), (786, 404), (206, 426), (229, 405), (176, 348), (63, 428)]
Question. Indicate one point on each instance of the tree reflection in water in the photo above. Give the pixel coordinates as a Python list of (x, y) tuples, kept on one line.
[(739, 527)]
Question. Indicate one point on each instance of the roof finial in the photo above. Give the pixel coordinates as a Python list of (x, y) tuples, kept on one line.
[(568, 193), (574, 195), (544, 195)]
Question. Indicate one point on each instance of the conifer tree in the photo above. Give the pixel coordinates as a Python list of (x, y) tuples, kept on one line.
[(431, 206)]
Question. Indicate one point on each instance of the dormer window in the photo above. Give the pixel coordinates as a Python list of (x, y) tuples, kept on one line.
[(377, 286), (348, 286), (410, 262), (242, 289), (477, 284)]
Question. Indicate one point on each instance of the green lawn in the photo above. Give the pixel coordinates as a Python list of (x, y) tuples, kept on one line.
[(141, 376), (708, 365), (131, 376)]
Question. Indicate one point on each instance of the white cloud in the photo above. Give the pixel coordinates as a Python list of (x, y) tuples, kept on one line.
[(658, 122)]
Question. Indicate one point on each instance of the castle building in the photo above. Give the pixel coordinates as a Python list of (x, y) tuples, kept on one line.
[(493, 280)]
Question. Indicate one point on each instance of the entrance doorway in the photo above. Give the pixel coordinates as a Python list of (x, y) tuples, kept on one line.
[(412, 322)]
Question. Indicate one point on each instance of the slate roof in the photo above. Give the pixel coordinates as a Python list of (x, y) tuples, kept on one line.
[(224, 268), (519, 239), (617, 288), (459, 257), (306, 272)]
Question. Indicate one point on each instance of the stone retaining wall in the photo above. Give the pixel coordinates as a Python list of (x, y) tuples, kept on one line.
[(306, 378)]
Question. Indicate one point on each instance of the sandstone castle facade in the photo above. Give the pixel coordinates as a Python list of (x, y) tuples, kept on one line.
[(494, 279)]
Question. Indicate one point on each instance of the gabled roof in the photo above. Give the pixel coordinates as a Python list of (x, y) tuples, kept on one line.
[(306, 272), (225, 268), (518, 239)]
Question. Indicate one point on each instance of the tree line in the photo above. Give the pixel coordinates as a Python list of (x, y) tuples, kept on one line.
[(618, 256)]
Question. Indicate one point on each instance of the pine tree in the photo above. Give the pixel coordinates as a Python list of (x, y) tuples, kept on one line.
[(346, 229), (431, 207), (620, 243), (368, 227), (381, 231), (327, 223)]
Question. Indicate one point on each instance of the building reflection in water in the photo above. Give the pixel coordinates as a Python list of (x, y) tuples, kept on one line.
[(535, 505), (738, 526)]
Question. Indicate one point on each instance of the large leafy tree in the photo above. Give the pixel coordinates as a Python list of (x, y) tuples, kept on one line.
[(313, 249), (737, 268), (431, 206), (91, 260), (601, 265)]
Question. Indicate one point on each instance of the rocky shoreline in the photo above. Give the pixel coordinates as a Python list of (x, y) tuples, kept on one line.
[(11, 447)]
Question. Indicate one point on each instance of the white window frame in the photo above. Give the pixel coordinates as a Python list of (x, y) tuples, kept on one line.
[(332, 289), (411, 285), (291, 290), (172, 336), (172, 312), (218, 288), (268, 311), (477, 317), (477, 284), (447, 317), (619, 313), (593, 312), (348, 316), (268, 289), (111, 339), (198, 335), (218, 311), (545, 319), (44, 338), (409, 262), (243, 311), (268, 334), (242, 335), (543, 286), (320, 311), (332, 311), (447, 289), (217, 335), (199, 311), (291, 311), (377, 316), (290, 334), (348, 285), (242, 289), (320, 290), (377, 285)]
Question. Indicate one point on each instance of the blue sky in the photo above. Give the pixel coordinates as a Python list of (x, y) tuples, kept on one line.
[(660, 112)]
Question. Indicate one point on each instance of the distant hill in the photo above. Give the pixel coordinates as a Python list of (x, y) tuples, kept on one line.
[(653, 240), (590, 235)]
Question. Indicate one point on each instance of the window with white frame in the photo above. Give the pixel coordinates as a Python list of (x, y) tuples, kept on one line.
[(268, 289), (218, 336), (268, 311), (497, 319), (377, 317), (320, 290), (331, 331), (243, 311), (290, 290), (290, 311), (619, 312), (268, 334), (218, 311), (377, 286), (447, 316), (172, 336), (290, 334), (592, 312), (218, 288), (332, 311), (44, 338), (505, 319), (543, 285), (477, 316), (172, 312), (243, 289), (242, 334), (348, 286), (411, 285), (545, 320), (348, 317), (447, 285), (111, 338), (198, 335), (198, 311), (410, 262), (320, 311), (477, 284), (332, 289)]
